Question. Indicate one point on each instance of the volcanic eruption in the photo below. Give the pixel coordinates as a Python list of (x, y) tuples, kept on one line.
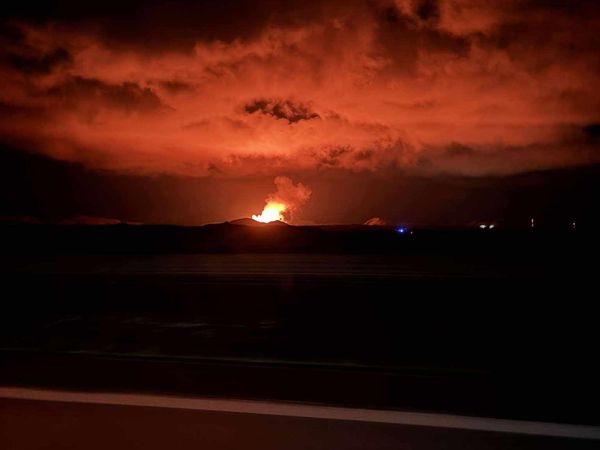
[(284, 202)]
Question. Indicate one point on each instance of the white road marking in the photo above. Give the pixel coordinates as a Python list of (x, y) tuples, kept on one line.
[(310, 411)]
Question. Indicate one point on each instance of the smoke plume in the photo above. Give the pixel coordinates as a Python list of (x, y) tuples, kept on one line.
[(285, 201)]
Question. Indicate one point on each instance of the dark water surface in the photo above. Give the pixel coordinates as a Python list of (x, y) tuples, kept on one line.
[(509, 336)]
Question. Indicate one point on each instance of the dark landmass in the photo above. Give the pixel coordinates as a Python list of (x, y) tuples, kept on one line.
[(277, 237), (498, 323), (246, 221)]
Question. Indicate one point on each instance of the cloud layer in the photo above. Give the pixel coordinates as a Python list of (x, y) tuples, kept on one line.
[(451, 86)]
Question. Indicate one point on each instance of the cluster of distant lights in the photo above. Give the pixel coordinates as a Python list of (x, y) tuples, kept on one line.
[(482, 226)]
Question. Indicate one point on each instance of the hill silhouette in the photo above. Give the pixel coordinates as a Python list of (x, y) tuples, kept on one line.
[(249, 236), (247, 221)]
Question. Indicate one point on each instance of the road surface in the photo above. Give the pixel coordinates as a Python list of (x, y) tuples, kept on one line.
[(33, 419)]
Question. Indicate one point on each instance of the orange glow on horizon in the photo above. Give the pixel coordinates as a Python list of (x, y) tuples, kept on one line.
[(272, 211)]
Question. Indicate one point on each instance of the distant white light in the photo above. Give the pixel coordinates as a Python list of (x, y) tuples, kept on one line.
[(482, 226), (492, 226), (401, 230)]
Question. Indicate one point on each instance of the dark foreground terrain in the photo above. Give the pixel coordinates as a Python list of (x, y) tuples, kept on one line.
[(75, 425), (494, 324)]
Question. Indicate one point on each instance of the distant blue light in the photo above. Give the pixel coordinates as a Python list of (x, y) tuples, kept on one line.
[(401, 230)]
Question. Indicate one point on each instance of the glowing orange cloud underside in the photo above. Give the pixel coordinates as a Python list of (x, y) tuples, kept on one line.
[(271, 212), (341, 90)]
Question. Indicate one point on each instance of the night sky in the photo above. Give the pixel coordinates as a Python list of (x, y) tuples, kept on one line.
[(440, 113)]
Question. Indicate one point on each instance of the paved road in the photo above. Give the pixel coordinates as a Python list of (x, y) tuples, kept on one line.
[(33, 419)]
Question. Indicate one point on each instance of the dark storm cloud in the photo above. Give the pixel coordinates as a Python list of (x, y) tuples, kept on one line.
[(158, 25), (504, 159), (176, 86), (281, 109), (592, 131), (9, 110), (427, 10), (364, 155), (125, 96), (332, 157), (43, 64), (18, 55)]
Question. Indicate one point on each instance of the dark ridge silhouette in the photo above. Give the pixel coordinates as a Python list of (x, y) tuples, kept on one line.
[(247, 221), (235, 237)]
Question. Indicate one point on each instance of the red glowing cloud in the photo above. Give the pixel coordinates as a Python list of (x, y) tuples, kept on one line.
[(458, 86)]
